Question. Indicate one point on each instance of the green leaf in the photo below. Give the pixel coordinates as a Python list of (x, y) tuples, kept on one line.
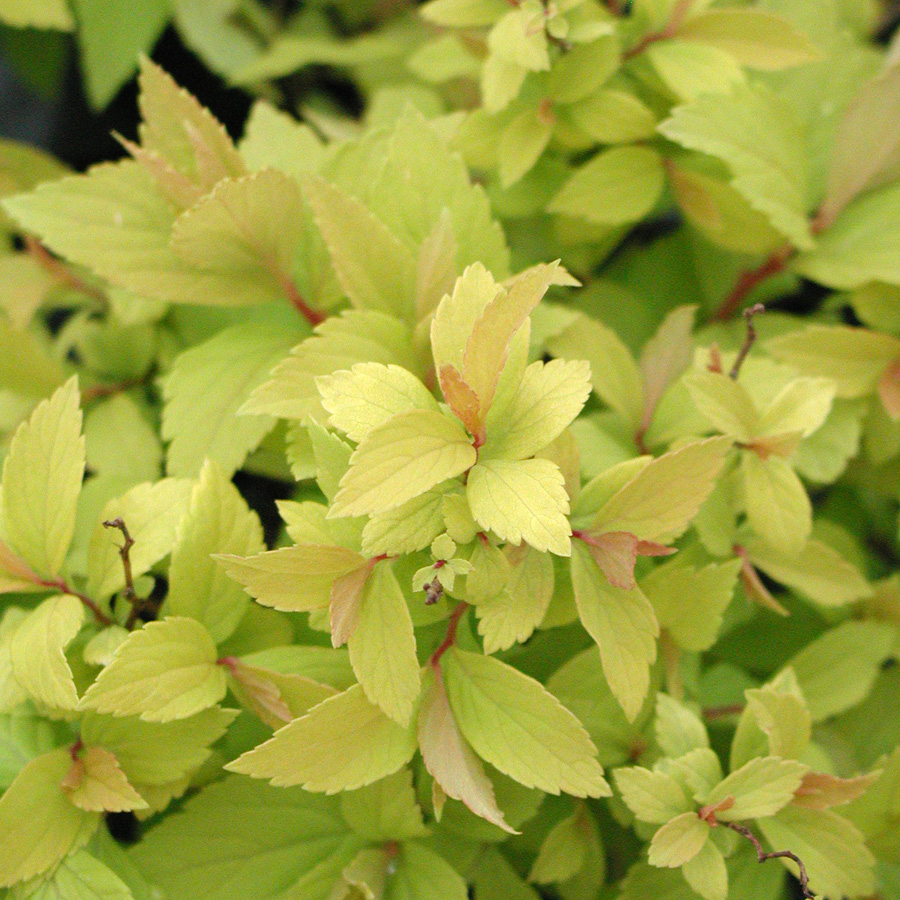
[(854, 358), (82, 877), (37, 14), (157, 753), (706, 873), (293, 579), (755, 135), (614, 117), (724, 403), (690, 603), (383, 647), (514, 724), (375, 269), (368, 395), (402, 459), (616, 187), (818, 571), (275, 139), (167, 670), (861, 246), (561, 854), (406, 529), (37, 652), (837, 670), (521, 145), (863, 152), (760, 788), (659, 502), (152, 513), (512, 615), (463, 13), (653, 797), (690, 69), (778, 508), (42, 480), (548, 398), (614, 376), (39, 824), (624, 626), (665, 356), (206, 387), (120, 441), (344, 743), (386, 810), (277, 841), (218, 521), (678, 841), (23, 736), (519, 38), (449, 759), (421, 874), (754, 37), (678, 728), (339, 342), (110, 46), (833, 851), (521, 500), (801, 406)]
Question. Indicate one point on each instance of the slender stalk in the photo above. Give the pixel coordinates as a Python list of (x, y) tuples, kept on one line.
[(664, 34), (450, 637), (749, 340), (763, 855), (313, 316), (60, 584), (58, 270), (128, 592), (750, 280)]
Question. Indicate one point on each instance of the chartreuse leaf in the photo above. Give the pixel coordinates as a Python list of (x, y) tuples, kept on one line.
[(690, 603), (449, 758), (406, 456), (512, 722), (521, 500), (410, 527), (37, 652), (706, 873), (110, 47), (832, 849), (678, 729), (755, 135), (660, 501), (837, 670), (42, 479), (513, 614), (339, 342), (463, 13), (277, 841), (166, 670), (156, 753), (374, 268), (760, 788), (383, 647), (678, 841), (274, 697), (293, 579), (386, 810), (39, 824), (421, 874), (218, 521), (801, 406), (344, 743), (614, 117), (368, 395), (204, 389), (624, 626), (778, 507), (522, 143), (689, 69), (861, 246), (548, 398), (818, 571), (96, 783), (724, 403), (561, 854), (23, 736), (653, 797), (80, 877), (614, 376), (854, 358), (152, 513), (616, 187), (38, 14), (754, 37)]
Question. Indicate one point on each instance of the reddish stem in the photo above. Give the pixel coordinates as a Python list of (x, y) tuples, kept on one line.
[(450, 637), (722, 712), (61, 585), (43, 257), (750, 280), (97, 391), (313, 316), (671, 29)]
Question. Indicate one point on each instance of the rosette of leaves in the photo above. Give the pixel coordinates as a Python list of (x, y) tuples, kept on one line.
[(539, 539)]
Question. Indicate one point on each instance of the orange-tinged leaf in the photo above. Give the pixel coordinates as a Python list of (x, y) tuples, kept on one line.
[(819, 790), (616, 552), (889, 389), (456, 770), (461, 398), (96, 783), (346, 598)]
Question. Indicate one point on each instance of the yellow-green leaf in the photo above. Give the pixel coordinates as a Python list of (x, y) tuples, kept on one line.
[(778, 507), (678, 841), (96, 783)]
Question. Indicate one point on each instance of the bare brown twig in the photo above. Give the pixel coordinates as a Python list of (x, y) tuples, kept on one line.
[(749, 340), (450, 637), (128, 592), (763, 855)]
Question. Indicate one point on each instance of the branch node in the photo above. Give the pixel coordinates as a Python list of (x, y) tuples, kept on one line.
[(749, 340), (763, 855), (128, 592)]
